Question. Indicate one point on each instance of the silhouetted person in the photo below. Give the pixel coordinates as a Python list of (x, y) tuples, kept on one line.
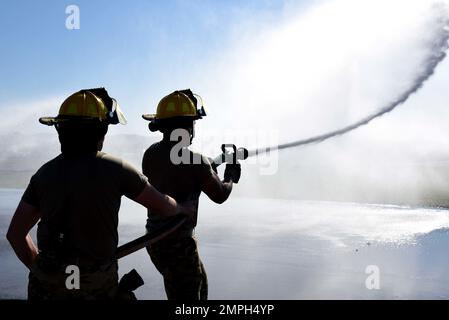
[(176, 256), (76, 198)]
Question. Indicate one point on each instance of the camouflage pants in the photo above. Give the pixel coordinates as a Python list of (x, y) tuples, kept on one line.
[(178, 261), (99, 285)]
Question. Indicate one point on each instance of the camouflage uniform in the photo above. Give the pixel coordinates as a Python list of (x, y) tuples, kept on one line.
[(177, 259), (100, 284)]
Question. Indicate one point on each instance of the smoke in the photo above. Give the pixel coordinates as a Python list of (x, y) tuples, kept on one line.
[(437, 52)]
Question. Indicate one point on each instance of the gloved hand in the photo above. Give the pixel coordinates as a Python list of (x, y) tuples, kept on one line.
[(232, 172)]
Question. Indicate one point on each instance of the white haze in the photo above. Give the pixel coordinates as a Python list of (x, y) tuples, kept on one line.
[(327, 68), (22, 116), (313, 71)]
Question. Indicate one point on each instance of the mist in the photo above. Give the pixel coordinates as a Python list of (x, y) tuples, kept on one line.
[(333, 65), (329, 70)]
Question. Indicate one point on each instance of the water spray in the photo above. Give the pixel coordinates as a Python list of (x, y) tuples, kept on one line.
[(438, 53), (438, 48), (232, 154)]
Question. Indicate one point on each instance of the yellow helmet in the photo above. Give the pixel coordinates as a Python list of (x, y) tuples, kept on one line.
[(181, 103), (88, 105)]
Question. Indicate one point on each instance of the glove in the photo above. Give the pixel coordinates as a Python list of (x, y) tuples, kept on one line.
[(232, 172)]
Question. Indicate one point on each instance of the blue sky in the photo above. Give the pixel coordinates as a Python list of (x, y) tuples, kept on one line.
[(137, 49)]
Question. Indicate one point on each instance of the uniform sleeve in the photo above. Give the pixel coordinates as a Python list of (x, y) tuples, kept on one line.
[(203, 170), (133, 182), (30, 196)]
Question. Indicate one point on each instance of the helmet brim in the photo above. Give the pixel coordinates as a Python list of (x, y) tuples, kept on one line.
[(153, 118), (51, 121), (149, 117)]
